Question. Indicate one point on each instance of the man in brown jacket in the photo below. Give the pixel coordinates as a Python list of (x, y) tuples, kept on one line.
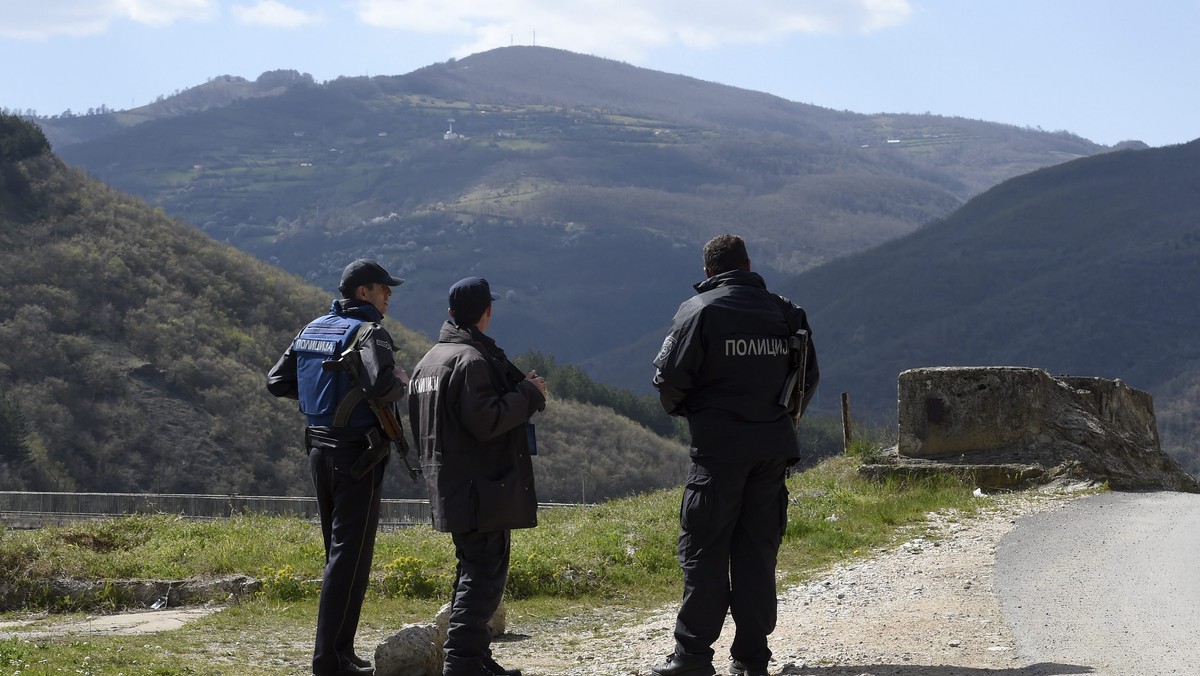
[(470, 408)]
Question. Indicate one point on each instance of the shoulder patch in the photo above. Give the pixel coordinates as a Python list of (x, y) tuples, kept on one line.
[(667, 346)]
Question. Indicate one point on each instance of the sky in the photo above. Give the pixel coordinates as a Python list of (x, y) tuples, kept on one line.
[(1106, 70)]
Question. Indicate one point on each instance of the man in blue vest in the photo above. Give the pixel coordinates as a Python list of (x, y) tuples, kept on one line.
[(346, 452)]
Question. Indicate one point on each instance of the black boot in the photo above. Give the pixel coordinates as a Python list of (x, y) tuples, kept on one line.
[(678, 665), (737, 668), (494, 668)]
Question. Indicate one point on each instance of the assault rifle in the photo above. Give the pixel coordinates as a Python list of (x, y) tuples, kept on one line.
[(392, 430), (794, 396)]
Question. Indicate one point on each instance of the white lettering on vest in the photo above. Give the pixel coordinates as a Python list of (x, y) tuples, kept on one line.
[(310, 345), (423, 385), (755, 347)]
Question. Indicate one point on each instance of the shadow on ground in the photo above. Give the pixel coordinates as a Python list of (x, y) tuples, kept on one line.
[(1041, 669)]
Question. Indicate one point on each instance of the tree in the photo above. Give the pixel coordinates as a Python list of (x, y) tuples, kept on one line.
[(20, 139), (12, 432)]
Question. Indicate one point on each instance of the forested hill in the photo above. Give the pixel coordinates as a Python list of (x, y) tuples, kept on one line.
[(133, 350), (1089, 268), (582, 188)]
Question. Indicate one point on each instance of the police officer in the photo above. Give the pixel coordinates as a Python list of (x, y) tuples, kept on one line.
[(346, 454), (724, 365), (470, 408)]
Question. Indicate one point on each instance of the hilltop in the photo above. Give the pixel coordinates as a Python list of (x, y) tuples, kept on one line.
[(582, 187), (1089, 268), (133, 353)]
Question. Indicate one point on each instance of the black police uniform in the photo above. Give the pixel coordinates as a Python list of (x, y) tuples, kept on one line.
[(348, 505), (723, 365)]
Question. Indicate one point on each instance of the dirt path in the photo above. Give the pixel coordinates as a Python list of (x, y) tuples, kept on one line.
[(140, 622), (926, 606)]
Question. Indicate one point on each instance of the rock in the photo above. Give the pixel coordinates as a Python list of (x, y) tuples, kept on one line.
[(496, 624), (120, 594), (416, 650), (1011, 427)]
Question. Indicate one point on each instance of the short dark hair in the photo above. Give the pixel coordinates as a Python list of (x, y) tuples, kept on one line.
[(724, 253)]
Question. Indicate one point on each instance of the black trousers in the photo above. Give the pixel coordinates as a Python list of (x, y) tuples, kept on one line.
[(349, 521), (478, 588), (731, 523)]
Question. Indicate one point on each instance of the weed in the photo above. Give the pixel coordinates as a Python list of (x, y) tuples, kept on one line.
[(284, 584), (406, 576)]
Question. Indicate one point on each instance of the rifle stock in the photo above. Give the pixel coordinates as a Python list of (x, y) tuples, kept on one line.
[(393, 430)]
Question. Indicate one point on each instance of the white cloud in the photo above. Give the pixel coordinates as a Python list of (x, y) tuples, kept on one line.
[(41, 20), (164, 12), (274, 14), (627, 29)]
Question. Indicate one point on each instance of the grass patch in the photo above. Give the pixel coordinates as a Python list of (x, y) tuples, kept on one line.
[(619, 555)]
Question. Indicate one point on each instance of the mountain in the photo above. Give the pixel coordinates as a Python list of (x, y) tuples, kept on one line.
[(73, 128), (1088, 268), (581, 187), (133, 353)]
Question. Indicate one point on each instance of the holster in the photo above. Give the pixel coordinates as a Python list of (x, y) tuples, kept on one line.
[(376, 452)]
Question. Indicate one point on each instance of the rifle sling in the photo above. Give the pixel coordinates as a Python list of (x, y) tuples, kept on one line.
[(355, 396)]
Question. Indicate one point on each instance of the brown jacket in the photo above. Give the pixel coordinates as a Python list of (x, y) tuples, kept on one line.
[(470, 424)]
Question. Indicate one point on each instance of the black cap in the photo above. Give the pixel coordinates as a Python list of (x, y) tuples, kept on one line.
[(469, 298), (365, 271)]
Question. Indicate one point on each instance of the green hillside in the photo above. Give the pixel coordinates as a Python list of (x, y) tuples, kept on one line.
[(581, 187), (133, 350), (1088, 268)]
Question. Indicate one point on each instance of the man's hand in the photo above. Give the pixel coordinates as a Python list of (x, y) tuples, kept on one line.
[(537, 380), (401, 375)]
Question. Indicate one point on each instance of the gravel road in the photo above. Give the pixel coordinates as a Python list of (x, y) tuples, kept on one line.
[(926, 606), (1108, 581)]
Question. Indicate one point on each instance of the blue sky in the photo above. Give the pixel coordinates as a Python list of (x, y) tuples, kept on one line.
[(1107, 70)]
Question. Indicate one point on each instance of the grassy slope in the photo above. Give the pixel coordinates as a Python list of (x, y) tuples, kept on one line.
[(620, 554)]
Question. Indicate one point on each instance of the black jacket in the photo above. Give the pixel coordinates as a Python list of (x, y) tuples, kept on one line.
[(724, 364), (470, 423)]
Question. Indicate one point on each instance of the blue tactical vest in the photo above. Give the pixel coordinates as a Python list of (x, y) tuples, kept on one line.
[(321, 390)]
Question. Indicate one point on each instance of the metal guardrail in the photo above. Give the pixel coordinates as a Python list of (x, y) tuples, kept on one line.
[(23, 509)]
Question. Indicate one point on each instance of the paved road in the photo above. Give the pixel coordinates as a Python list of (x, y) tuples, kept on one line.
[(1110, 581)]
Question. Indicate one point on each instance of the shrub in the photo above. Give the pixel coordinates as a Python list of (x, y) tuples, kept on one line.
[(406, 576)]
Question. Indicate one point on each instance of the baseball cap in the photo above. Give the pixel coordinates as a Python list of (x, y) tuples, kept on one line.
[(469, 297), (365, 271)]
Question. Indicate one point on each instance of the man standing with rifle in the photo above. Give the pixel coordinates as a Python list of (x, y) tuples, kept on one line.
[(739, 364), (470, 408), (342, 369)]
